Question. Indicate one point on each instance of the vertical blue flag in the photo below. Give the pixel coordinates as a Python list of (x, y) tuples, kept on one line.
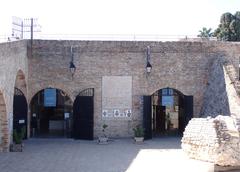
[(50, 98), (167, 100)]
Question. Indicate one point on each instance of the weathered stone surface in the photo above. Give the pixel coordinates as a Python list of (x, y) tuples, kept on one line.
[(13, 60), (117, 97), (216, 87), (213, 139), (220, 96), (185, 66)]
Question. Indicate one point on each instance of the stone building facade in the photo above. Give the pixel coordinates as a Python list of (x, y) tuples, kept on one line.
[(192, 68), (14, 71)]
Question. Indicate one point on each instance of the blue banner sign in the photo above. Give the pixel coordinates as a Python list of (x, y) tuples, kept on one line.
[(50, 98), (167, 100)]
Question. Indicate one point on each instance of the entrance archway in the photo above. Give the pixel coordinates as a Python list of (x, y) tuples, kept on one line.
[(20, 111), (51, 114), (20, 107), (166, 113)]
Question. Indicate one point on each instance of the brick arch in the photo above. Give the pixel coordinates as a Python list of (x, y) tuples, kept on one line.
[(49, 87), (179, 90), (20, 82), (176, 90), (59, 87), (4, 141)]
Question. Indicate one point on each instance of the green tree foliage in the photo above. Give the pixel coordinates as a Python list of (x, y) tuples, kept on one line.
[(205, 33), (229, 27)]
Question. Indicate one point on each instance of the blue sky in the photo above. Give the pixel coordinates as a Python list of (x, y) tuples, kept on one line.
[(161, 17)]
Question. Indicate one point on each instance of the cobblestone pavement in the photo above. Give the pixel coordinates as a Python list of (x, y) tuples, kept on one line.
[(120, 155)]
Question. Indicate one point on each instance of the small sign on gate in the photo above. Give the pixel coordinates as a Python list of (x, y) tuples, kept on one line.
[(21, 121), (66, 115)]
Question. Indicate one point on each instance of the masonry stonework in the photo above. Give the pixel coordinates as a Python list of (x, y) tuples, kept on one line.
[(214, 140), (185, 66), (13, 58)]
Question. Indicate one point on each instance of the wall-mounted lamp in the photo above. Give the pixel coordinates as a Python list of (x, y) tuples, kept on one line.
[(72, 67), (148, 66)]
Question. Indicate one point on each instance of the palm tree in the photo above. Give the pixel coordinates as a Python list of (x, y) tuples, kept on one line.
[(205, 33)]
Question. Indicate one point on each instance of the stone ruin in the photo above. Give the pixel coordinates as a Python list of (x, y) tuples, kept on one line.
[(214, 140)]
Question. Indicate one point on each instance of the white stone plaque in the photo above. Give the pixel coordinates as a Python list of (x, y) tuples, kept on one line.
[(116, 95), (116, 92)]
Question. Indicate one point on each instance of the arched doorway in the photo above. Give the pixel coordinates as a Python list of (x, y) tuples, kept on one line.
[(20, 111), (20, 106), (51, 114), (166, 113), (83, 115)]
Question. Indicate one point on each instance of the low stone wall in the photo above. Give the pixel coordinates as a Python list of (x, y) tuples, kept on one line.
[(214, 140)]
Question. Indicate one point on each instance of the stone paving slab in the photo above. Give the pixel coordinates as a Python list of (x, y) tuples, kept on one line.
[(120, 155)]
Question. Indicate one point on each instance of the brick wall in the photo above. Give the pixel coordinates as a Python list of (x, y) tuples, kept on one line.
[(13, 59), (184, 66)]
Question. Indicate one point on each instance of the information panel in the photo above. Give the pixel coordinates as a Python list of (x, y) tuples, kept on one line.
[(50, 97), (167, 100)]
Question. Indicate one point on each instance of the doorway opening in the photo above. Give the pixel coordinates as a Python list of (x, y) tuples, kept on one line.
[(51, 114), (166, 113), (83, 115), (20, 110), (20, 105)]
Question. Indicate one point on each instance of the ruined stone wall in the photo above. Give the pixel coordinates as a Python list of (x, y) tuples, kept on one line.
[(13, 58), (214, 140)]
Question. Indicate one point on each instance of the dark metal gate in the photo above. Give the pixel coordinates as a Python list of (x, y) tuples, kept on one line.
[(83, 115), (147, 117), (188, 110), (19, 111)]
